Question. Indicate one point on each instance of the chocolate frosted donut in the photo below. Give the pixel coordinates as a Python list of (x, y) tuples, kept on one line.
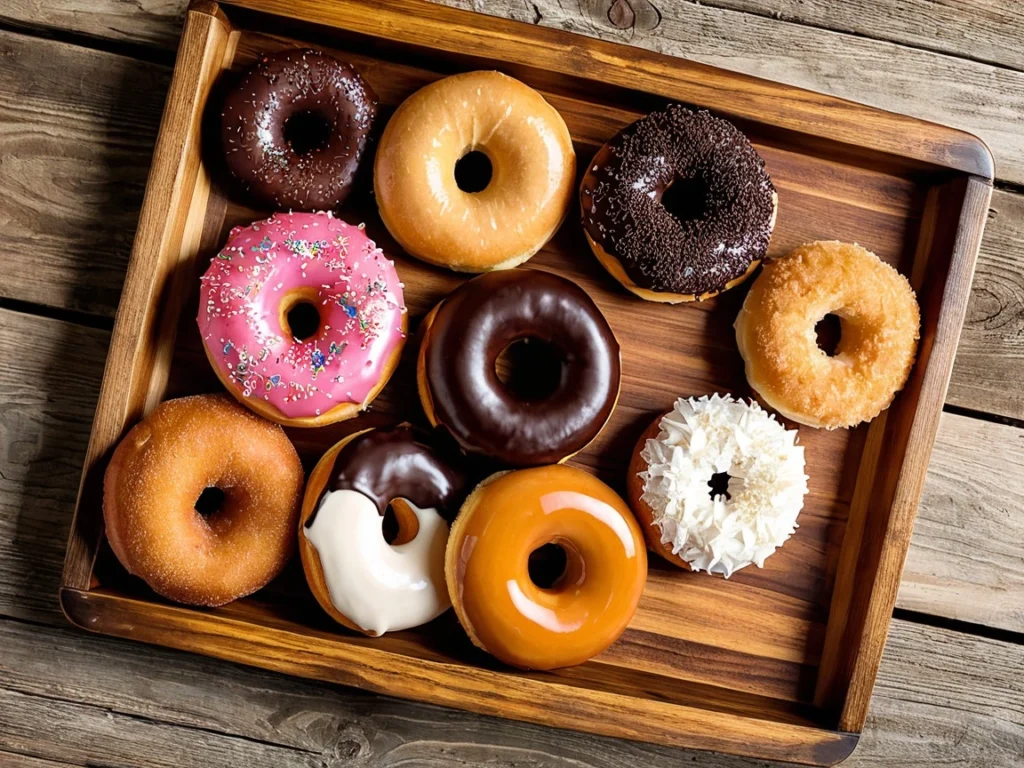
[(678, 206), (459, 386), (295, 127)]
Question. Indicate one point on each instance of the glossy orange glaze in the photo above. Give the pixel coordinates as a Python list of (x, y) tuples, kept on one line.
[(512, 514)]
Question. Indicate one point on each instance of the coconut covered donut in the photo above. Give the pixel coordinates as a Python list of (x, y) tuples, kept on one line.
[(158, 473), (673, 475), (880, 322)]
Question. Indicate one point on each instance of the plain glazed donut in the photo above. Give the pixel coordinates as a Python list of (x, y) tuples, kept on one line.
[(533, 169), (158, 472), (511, 515), (294, 130), (319, 263), (880, 320), (360, 580), (460, 390), (663, 253)]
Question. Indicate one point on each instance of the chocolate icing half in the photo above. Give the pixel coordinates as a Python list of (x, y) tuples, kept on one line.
[(329, 97), (472, 327), (389, 464), (700, 250)]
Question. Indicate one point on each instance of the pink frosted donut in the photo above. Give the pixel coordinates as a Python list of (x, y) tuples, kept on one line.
[(302, 317)]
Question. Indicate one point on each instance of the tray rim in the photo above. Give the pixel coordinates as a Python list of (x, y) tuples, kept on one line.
[(207, 43)]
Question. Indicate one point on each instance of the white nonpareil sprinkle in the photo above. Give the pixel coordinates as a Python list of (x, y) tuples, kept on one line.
[(767, 483)]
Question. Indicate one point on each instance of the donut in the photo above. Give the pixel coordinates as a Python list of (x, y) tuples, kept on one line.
[(582, 612), (302, 318), (294, 129), (359, 579), (459, 388), (880, 322), (158, 473), (678, 206), (515, 198), (717, 484)]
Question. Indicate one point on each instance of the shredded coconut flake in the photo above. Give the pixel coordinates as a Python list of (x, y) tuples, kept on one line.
[(767, 483)]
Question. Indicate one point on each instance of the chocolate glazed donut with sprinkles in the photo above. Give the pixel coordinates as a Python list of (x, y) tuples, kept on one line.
[(295, 128), (678, 206)]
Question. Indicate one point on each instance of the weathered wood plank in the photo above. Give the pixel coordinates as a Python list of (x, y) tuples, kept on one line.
[(988, 374), (941, 697), (966, 555), (983, 30), (17, 760), (148, 22), (49, 375), (79, 733), (78, 131)]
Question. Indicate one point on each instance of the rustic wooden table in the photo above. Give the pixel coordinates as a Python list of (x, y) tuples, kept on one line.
[(82, 84)]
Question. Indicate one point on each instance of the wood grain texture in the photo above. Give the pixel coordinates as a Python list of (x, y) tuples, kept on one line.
[(74, 152), (50, 375), (989, 368), (966, 543), (983, 30), (941, 698)]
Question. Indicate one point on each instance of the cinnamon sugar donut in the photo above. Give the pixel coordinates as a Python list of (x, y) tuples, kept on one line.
[(157, 474), (880, 322)]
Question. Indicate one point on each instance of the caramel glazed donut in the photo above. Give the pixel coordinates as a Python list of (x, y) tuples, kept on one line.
[(461, 392), (880, 322), (295, 128), (358, 578), (707, 240), (522, 204), (512, 515), (157, 474)]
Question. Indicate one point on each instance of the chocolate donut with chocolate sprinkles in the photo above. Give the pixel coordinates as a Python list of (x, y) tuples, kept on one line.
[(678, 206), (295, 128)]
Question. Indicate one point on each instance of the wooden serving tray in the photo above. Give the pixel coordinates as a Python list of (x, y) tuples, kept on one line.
[(775, 663)]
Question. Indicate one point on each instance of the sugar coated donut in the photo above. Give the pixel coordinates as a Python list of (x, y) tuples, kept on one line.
[(717, 484), (880, 321), (360, 579), (462, 339), (159, 471), (678, 206), (493, 222), (512, 515), (310, 269), (294, 129)]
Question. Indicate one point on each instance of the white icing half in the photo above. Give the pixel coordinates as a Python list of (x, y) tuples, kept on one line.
[(379, 587), (767, 483)]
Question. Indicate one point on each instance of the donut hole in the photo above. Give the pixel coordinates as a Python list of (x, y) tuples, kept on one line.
[(718, 485), (829, 331), (530, 369), (302, 320), (547, 565), (473, 172), (307, 132), (686, 198), (210, 501), (400, 524)]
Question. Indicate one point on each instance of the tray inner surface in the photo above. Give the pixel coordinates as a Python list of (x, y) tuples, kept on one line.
[(752, 643)]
